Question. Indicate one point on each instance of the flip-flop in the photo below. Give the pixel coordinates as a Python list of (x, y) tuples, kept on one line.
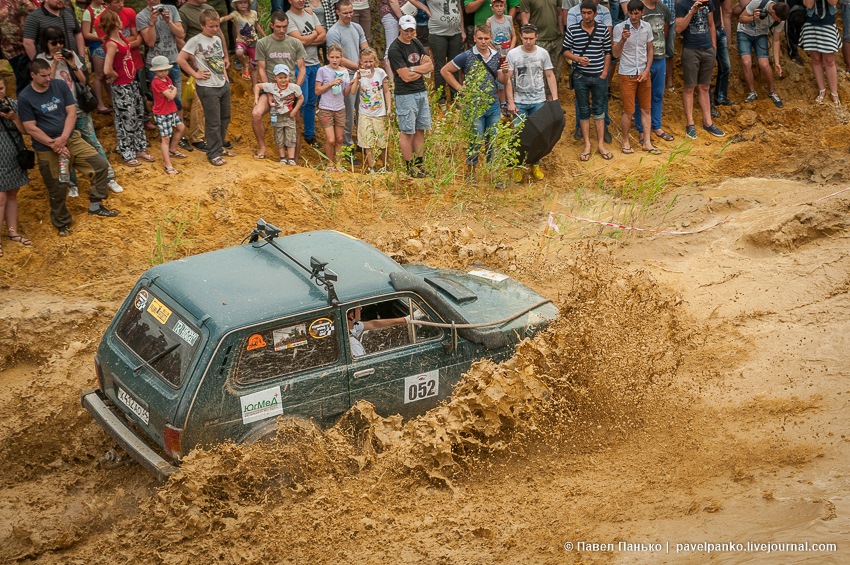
[(607, 156), (259, 156), (663, 135), (132, 162), (653, 151), (146, 157), (585, 157), (227, 153), (177, 154), (218, 161), (171, 171), (628, 151)]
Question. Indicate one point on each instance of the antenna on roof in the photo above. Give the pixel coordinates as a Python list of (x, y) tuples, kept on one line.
[(318, 271)]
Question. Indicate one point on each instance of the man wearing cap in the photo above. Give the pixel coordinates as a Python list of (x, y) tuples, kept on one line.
[(409, 63), (351, 37), (278, 48)]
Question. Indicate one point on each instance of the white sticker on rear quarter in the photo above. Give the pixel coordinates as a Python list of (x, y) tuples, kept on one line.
[(261, 405), (489, 275), (421, 386)]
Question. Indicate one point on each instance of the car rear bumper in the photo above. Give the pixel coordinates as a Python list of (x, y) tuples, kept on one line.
[(100, 408)]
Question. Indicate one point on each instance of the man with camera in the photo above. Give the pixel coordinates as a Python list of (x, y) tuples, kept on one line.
[(48, 112), (754, 27), (694, 22), (161, 29)]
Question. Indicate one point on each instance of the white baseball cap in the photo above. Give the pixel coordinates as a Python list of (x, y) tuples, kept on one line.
[(281, 68), (407, 22)]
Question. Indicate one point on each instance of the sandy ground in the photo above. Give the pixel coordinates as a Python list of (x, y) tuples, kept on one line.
[(695, 389)]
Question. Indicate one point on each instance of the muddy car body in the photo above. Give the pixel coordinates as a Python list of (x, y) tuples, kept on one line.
[(215, 346)]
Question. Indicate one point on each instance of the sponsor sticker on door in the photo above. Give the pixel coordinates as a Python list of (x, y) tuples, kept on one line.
[(261, 405)]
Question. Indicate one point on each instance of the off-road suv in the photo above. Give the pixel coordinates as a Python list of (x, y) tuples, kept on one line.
[(214, 347)]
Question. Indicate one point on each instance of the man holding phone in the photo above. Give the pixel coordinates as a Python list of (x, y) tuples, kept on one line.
[(699, 50)]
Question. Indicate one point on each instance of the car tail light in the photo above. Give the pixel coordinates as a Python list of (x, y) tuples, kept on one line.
[(99, 372), (173, 441)]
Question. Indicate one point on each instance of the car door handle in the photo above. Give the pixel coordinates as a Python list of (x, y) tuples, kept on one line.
[(364, 373)]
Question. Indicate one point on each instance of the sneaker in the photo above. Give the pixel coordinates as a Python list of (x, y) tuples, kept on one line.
[(536, 172), (723, 102), (371, 171), (283, 161), (607, 136), (104, 212), (114, 186), (691, 131), (416, 173), (751, 97), (292, 162), (382, 171), (500, 185), (777, 101), (73, 191), (517, 175), (715, 113), (577, 135), (184, 144), (201, 146), (713, 130)]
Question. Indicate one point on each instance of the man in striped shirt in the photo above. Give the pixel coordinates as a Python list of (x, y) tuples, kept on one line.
[(587, 45)]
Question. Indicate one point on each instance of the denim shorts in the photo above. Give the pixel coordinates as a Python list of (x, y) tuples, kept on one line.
[(746, 44), (413, 112)]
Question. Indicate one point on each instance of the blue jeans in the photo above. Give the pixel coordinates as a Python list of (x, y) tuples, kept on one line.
[(591, 90), (607, 119), (308, 110), (658, 74), (277, 6), (724, 67), (525, 110), (176, 79), (484, 125)]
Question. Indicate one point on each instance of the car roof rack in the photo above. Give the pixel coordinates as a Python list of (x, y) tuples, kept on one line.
[(318, 270)]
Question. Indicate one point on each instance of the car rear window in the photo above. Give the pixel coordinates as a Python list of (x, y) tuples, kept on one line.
[(288, 348), (162, 339)]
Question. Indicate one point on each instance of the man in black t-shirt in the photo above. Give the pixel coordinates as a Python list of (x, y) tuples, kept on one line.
[(48, 112), (409, 63)]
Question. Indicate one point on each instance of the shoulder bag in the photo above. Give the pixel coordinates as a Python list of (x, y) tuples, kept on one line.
[(576, 74), (24, 157)]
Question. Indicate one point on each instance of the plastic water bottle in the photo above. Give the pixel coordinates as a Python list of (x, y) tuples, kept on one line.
[(273, 116), (64, 169)]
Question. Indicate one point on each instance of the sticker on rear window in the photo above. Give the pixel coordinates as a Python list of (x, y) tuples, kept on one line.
[(256, 341), (142, 300), (261, 405), (321, 328), (292, 336), (159, 311), (186, 333), (489, 275)]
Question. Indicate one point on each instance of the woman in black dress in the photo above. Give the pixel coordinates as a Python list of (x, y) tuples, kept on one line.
[(12, 177)]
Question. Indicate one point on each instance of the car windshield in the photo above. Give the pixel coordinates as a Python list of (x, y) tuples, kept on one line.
[(163, 340)]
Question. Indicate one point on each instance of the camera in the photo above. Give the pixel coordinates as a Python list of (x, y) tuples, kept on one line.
[(67, 54), (159, 8), (763, 13), (5, 107)]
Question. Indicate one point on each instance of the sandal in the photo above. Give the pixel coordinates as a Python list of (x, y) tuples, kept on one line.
[(144, 156), (259, 156), (227, 153), (628, 150), (607, 155), (663, 135), (132, 162), (246, 74), (64, 231), (821, 94), (18, 238), (585, 157), (177, 154), (835, 99), (218, 161), (171, 171), (652, 150)]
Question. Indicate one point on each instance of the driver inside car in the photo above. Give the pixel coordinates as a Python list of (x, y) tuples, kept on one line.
[(356, 327)]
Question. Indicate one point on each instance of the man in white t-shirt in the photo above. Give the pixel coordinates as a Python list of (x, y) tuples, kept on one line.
[(529, 69), (633, 45), (212, 86)]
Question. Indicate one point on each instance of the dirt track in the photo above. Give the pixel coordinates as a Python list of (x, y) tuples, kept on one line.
[(697, 384)]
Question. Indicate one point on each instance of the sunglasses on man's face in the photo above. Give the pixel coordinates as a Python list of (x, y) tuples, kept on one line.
[(57, 42)]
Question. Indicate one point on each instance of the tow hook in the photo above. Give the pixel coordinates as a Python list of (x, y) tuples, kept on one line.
[(111, 460)]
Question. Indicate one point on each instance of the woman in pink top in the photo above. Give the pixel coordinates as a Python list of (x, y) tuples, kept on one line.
[(120, 70)]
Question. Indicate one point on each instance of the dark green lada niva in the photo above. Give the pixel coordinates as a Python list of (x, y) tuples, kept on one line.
[(214, 347)]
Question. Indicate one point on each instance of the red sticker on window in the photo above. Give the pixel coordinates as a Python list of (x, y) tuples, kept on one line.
[(256, 341)]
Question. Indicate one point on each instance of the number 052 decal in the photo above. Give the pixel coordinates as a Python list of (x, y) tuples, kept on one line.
[(421, 386)]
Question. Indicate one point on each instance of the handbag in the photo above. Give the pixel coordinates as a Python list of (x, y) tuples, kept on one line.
[(576, 73), (84, 95), (24, 157)]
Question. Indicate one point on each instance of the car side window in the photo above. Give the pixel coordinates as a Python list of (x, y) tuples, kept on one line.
[(287, 348), (382, 326)]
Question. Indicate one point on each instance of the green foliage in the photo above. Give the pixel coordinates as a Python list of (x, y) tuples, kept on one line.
[(172, 235)]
